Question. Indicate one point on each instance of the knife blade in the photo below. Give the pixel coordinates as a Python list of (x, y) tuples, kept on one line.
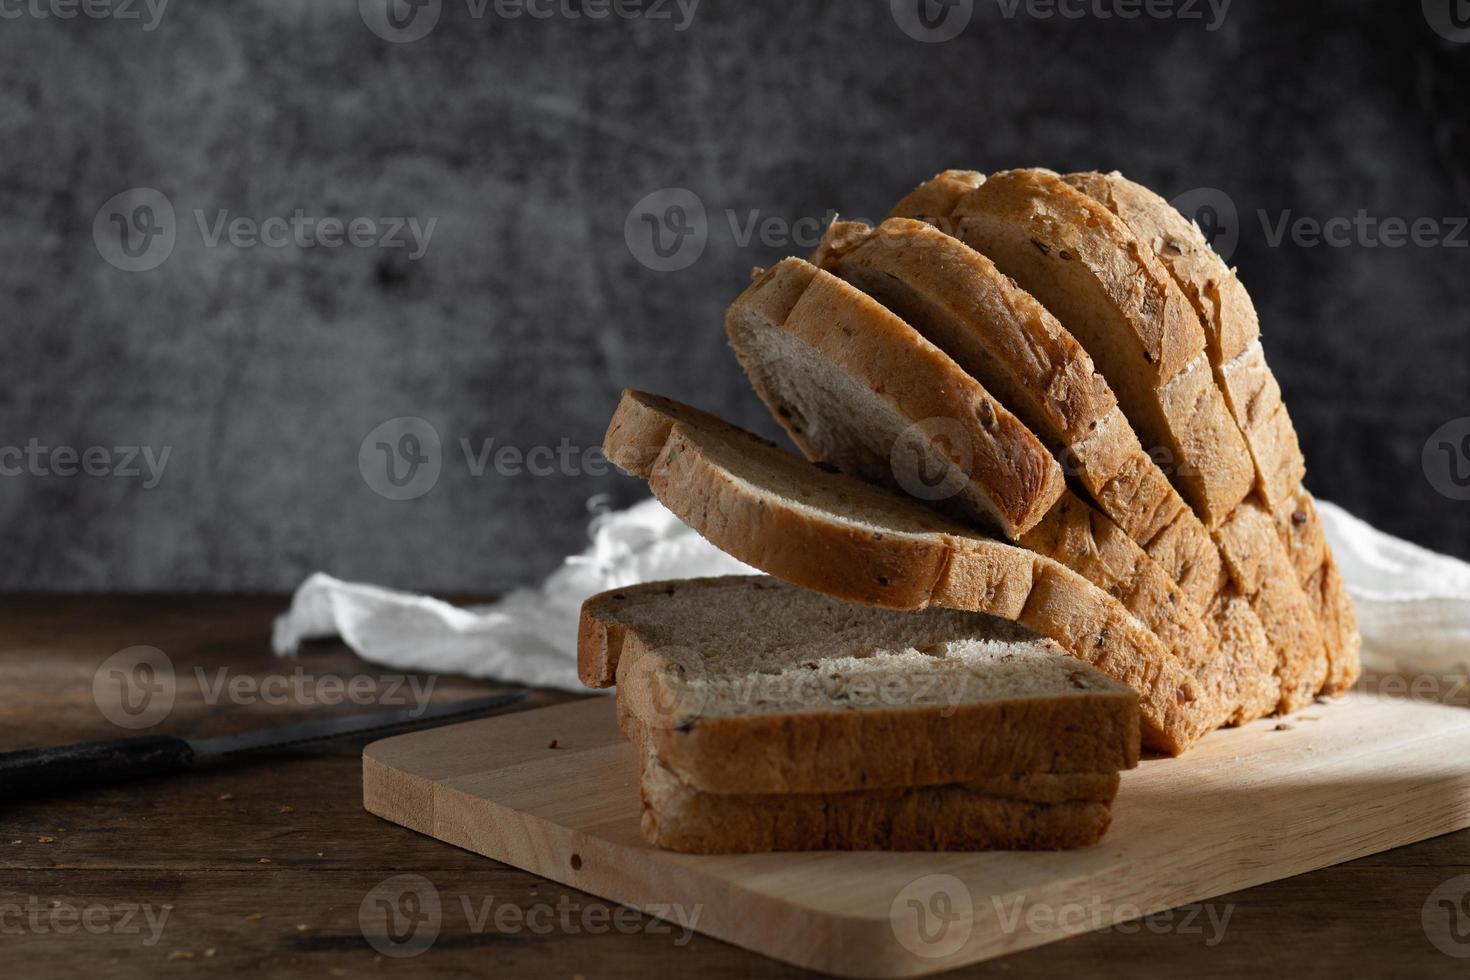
[(32, 773)]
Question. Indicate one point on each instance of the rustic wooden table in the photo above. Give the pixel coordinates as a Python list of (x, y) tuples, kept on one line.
[(261, 868)]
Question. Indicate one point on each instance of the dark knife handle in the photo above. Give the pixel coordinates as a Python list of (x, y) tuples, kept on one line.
[(32, 773)]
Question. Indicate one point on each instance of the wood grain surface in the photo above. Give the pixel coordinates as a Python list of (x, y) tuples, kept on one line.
[(194, 848), (555, 792)]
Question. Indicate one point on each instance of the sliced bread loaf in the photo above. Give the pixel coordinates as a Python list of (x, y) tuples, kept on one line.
[(1124, 307), (1232, 332), (747, 684), (1088, 269), (1232, 329), (680, 817), (999, 334), (838, 535), (837, 369)]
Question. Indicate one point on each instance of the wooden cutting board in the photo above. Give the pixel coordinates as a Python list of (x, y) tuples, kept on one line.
[(555, 792)]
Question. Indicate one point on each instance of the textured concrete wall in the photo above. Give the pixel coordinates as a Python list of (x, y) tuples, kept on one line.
[(529, 141)]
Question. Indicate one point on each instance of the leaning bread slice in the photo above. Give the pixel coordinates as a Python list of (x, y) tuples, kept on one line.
[(835, 367), (1232, 332), (680, 817), (747, 684), (1088, 269), (999, 334), (855, 541), (863, 363)]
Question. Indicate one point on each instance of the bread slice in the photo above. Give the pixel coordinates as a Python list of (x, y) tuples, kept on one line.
[(1036, 787), (838, 535), (1232, 333), (862, 363), (933, 201), (1231, 327), (836, 368), (747, 684), (1115, 297), (1088, 269), (999, 334), (680, 817)]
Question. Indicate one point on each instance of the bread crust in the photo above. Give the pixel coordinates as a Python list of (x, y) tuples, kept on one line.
[(1009, 475), (1000, 334), (1232, 332), (935, 563), (1082, 262), (680, 817)]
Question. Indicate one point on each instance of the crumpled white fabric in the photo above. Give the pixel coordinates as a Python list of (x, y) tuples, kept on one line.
[(1413, 604), (530, 636)]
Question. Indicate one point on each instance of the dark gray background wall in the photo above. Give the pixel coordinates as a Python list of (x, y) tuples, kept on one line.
[(262, 369)]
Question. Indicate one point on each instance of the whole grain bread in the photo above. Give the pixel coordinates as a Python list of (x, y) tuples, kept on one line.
[(852, 540), (1084, 265), (837, 369), (1037, 787), (680, 817), (747, 684), (1141, 330), (997, 333), (1232, 331), (848, 380), (1231, 326)]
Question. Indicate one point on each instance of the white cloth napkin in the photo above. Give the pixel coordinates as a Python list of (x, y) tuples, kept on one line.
[(1413, 604)]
